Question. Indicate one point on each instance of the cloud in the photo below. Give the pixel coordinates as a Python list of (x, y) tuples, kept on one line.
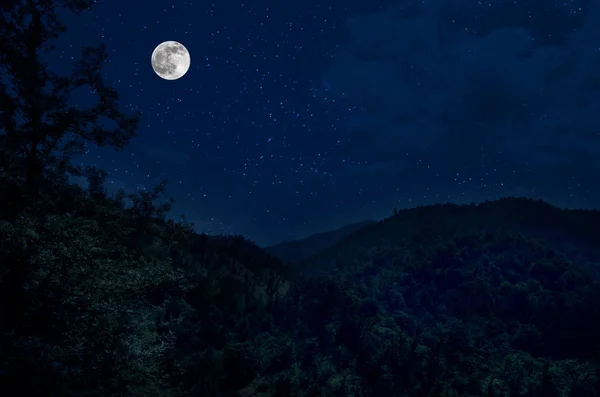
[(451, 99)]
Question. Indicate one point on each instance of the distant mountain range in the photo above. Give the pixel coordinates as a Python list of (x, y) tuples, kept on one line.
[(298, 250), (570, 231), (484, 300)]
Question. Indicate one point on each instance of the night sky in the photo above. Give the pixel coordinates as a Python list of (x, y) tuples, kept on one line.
[(297, 117)]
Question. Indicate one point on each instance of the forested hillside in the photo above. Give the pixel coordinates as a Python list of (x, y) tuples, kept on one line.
[(100, 299), (496, 299)]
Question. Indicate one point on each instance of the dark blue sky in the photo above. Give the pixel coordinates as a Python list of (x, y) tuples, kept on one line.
[(301, 116)]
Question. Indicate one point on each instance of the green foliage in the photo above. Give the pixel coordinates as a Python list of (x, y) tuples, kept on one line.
[(105, 298)]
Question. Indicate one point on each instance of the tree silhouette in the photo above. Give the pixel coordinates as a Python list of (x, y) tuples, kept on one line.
[(40, 130)]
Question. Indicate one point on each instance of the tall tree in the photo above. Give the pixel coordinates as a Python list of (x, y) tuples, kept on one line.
[(39, 129)]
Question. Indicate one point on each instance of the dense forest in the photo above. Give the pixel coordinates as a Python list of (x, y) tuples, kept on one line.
[(105, 295)]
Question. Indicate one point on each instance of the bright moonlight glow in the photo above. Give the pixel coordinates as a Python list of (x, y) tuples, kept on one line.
[(170, 60)]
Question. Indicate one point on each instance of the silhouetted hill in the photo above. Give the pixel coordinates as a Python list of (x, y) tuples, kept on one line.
[(299, 250), (100, 298), (477, 300), (574, 232)]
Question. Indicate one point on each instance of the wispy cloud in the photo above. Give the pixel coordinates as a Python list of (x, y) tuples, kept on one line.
[(453, 100)]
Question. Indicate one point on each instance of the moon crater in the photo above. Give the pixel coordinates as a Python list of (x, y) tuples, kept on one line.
[(170, 60)]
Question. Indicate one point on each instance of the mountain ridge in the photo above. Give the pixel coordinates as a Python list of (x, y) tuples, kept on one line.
[(477, 300), (528, 216), (297, 250)]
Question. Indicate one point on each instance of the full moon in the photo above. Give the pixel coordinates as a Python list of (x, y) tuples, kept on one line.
[(170, 60)]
